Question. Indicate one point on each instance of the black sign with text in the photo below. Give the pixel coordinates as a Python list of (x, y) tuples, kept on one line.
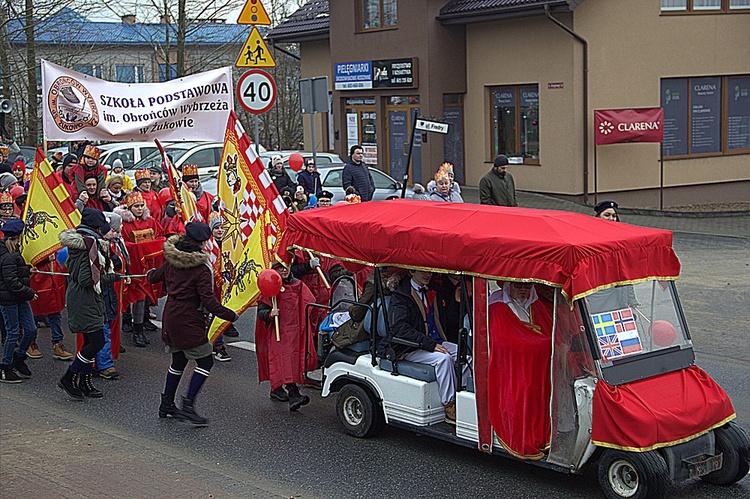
[(394, 73)]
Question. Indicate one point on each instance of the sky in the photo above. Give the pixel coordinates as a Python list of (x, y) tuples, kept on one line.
[(145, 13)]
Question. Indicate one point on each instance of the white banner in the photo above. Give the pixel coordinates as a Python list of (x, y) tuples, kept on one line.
[(77, 107)]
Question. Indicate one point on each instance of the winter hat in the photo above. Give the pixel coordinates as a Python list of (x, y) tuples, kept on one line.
[(500, 160), (215, 221), (605, 205), (13, 227), (19, 165), (7, 179), (5, 168), (113, 219), (276, 160), (68, 159), (114, 179), (117, 164), (198, 231), (91, 217)]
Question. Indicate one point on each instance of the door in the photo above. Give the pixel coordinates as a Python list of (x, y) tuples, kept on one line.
[(401, 112)]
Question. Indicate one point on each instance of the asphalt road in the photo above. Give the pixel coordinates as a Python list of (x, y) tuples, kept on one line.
[(118, 447)]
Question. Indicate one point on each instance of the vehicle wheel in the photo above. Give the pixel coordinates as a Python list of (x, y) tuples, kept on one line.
[(733, 442), (359, 413), (634, 475)]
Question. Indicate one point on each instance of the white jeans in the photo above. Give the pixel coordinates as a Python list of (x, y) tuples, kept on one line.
[(444, 370)]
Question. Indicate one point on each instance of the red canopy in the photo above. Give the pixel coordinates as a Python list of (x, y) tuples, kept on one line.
[(576, 252)]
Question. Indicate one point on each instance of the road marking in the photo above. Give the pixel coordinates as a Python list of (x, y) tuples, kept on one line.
[(245, 345)]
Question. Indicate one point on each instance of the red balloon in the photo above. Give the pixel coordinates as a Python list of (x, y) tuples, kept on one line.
[(296, 161), (269, 282), (664, 333)]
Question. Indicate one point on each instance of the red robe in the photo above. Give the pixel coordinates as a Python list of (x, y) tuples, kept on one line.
[(143, 256), (50, 288), (519, 387), (78, 175), (282, 362), (203, 205), (172, 225), (152, 203)]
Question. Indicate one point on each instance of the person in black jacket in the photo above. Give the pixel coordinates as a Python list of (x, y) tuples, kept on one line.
[(280, 177), (413, 316), (357, 175), (15, 294)]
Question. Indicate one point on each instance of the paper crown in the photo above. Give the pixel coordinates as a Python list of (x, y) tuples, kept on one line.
[(189, 172), (4, 150), (92, 152), (134, 197), (6, 198), (142, 175), (447, 168), (442, 174)]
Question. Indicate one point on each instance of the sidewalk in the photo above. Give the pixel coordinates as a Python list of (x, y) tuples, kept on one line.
[(717, 224)]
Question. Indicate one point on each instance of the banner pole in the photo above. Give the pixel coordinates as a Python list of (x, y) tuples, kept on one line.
[(408, 159), (596, 180), (257, 135)]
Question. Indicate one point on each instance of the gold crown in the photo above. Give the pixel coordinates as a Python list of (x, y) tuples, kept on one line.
[(189, 171), (142, 175), (447, 168), (4, 150), (6, 198), (134, 197), (92, 152)]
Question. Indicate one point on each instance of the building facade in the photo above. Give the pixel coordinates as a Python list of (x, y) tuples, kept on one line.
[(524, 77)]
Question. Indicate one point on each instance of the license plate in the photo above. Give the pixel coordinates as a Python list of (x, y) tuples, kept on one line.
[(699, 466)]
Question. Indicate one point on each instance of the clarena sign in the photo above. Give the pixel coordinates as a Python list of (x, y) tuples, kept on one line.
[(629, 125)]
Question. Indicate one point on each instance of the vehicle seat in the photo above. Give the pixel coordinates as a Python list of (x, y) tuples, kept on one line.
[(423, 372)]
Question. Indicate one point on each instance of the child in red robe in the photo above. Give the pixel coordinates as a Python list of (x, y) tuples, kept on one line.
[(143, 238)]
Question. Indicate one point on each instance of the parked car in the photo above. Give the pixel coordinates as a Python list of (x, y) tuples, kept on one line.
[(386, 187), (205, 155), (322, 158), (128, 152), (29, 153)]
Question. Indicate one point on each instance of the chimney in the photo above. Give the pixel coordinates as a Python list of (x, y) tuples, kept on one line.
[(128, 19)]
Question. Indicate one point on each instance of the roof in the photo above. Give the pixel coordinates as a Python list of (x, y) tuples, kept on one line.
[(469, 11), (67, 27), (309, 22), (576, 252)]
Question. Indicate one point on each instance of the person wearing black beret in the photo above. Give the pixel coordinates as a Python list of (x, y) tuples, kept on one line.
[(90, 268), (325, 198), (607, 210), (190, 297), (497, 186)]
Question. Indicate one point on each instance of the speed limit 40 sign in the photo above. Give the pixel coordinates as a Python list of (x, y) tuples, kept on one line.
[(256, 91)]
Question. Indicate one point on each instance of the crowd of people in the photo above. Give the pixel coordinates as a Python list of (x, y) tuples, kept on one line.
[(132, 248)]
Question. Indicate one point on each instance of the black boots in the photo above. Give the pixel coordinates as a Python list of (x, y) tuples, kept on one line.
[(167, 407), (87, 388), (69, 385), (139, 337), (187, 413), (296, 399), (279, 394), (127, 322), (19, 364)]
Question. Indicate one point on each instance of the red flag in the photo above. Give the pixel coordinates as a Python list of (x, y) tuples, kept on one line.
[(629, 125)]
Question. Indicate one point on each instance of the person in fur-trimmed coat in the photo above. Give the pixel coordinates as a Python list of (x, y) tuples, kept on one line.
[(90, 268), (190, 297)]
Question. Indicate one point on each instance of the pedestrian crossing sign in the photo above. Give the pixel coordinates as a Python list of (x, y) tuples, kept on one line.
[(255, 53), (254, 13)]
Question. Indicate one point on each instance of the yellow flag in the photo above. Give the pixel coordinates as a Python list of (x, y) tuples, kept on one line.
[(49, 210), (254, 217)]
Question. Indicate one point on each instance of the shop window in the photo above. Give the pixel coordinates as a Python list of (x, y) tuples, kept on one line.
[(515, 122), (706, 116), (704, 6), (377, 14), (129, 74)]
